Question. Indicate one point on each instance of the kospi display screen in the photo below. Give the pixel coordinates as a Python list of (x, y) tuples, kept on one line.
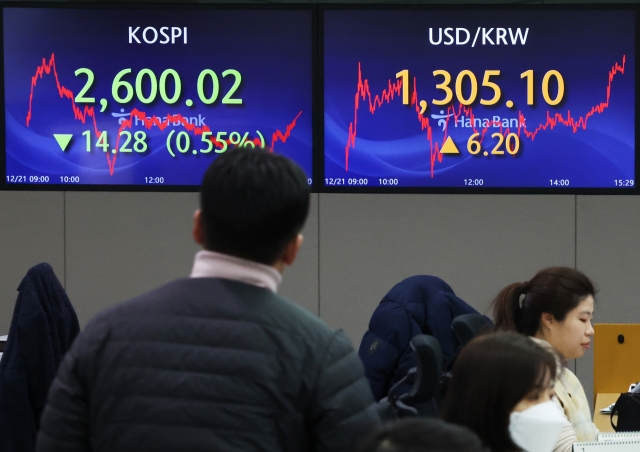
[(149, 96), (476, 99)]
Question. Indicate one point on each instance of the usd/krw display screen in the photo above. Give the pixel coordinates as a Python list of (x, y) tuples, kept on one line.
[(149, 97), (534, 99)]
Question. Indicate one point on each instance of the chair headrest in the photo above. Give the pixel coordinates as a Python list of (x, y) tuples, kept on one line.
[(428, 354), (468, 326)]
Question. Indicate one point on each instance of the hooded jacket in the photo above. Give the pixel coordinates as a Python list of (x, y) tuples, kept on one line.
[(420, 304), (43, 326)]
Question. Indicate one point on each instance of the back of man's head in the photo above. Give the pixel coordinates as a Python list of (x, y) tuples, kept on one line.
[(421, 435), (253, 203)]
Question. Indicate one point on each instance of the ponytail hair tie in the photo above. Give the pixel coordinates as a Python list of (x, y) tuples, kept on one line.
[(524, 288)]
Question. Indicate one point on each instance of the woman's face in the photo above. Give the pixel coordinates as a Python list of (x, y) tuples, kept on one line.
[(572, 336), (537, 396)]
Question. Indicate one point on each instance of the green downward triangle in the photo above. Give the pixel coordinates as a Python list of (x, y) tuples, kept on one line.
[(63, 139)]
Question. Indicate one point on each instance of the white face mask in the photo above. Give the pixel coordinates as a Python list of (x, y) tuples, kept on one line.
[(536, 429)]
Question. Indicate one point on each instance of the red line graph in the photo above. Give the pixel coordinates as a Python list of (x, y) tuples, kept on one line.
[(394, 89), (82, 114), (283, 137)]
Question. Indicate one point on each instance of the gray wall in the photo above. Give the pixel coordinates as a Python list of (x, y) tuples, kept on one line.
[(107, 247)]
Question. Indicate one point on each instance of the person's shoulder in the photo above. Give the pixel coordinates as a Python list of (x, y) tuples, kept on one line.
[(296, 327), (332, 344), (141, 305), (571, 382), (568, 378), (287, 314)]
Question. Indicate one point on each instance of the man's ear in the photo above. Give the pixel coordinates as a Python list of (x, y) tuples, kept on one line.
[(198, 229), (291, 251)]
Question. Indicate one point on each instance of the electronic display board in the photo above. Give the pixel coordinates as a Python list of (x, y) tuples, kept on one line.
[(137, 97), (469, 99)]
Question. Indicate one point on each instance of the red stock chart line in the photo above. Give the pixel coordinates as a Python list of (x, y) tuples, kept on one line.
[(394, 89), (82, 114)]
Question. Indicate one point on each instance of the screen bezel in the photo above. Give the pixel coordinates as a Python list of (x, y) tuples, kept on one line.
[(319, 178), (5, 186)]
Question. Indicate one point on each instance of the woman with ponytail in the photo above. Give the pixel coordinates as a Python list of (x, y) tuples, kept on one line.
[(555, 308)]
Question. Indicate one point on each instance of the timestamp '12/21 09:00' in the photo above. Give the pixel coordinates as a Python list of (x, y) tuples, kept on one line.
[(359, 181)]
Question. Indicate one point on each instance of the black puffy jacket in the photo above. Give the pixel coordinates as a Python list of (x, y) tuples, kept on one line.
[(43, 326), (208, 364), (420, 304)]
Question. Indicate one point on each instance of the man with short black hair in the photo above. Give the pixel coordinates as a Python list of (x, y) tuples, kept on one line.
[(217, 361)]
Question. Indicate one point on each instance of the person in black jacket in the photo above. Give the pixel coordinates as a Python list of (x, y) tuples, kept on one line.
[(217, 361)]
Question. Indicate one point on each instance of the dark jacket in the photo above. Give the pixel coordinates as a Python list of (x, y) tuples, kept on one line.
[(420, 304), (207, 364), (43, 327)]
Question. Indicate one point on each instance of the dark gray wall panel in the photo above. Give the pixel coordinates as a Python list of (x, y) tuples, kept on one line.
[(608, 251), (31, 231), (478, 244)]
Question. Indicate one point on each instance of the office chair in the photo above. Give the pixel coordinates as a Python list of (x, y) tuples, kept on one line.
[(467, 326), (424, 378)]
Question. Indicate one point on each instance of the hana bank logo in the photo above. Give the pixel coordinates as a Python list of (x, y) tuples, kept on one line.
[(442, 119), (122, 116), (466, 122), (195, 120)]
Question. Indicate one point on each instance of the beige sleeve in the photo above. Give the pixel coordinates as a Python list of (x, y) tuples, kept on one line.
[(567, 437)]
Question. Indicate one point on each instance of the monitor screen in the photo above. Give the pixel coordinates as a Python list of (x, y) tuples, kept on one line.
[(515, 99), (123, 97)]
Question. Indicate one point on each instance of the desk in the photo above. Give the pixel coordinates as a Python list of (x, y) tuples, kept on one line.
[(603, 421)]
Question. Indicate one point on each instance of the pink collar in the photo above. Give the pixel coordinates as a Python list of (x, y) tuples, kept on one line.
[(210, 264)]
